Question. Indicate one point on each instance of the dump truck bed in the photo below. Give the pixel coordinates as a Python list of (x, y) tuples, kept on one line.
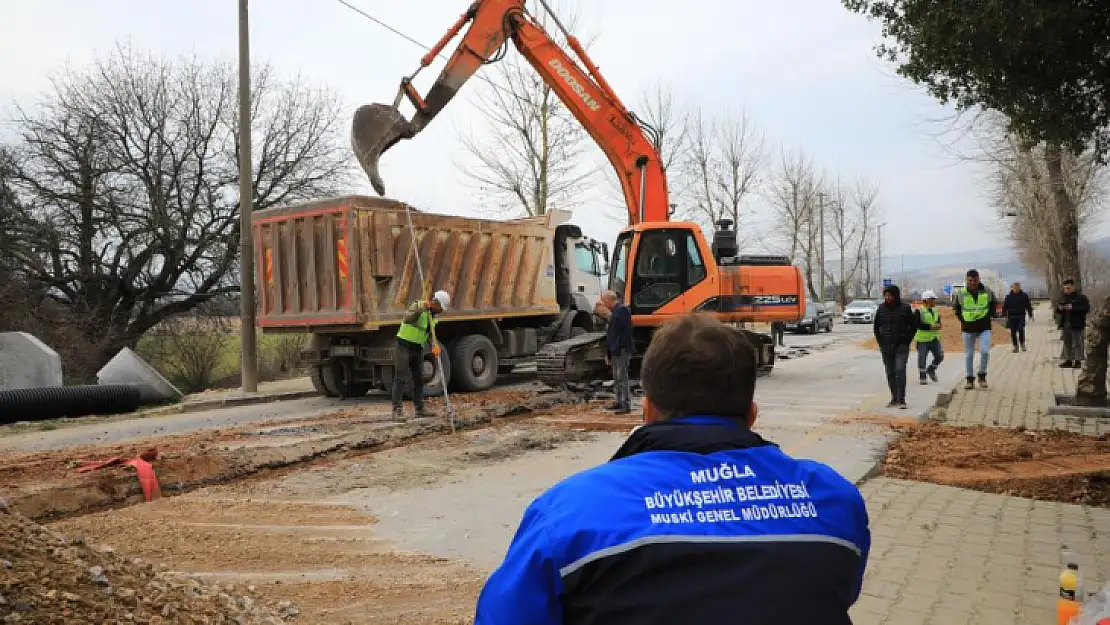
[(348, 263)]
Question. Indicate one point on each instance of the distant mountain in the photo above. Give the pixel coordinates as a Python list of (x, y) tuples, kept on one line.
[(933, 271)]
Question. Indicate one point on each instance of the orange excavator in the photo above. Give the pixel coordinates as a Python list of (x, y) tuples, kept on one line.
[(660, 268)]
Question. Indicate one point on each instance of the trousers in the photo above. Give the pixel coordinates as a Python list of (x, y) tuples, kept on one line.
[(621, 386), (1017, 330), (1073, 343), (895, 359), (408, 367), (923, 350), (972, 342)]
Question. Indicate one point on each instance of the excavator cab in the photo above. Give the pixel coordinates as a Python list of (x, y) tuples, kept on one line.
[(668, 261)]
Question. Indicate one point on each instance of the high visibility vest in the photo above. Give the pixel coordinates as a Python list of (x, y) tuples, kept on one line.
[(417, 332), (929, 316), (975, 307)]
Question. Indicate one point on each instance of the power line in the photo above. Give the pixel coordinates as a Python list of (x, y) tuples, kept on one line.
[(386, 26), (417, 43)]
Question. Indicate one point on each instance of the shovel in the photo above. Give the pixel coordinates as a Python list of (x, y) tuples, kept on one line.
[(375, 129)]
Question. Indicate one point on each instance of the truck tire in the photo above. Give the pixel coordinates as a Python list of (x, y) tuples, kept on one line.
[(338, 379), (316, 374), (474, 363)]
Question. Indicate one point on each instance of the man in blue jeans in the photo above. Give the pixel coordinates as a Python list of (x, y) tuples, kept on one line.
[(975, 309)]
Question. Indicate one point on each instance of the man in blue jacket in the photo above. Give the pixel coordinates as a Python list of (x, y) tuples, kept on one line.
[(696, 519), (620, 348)]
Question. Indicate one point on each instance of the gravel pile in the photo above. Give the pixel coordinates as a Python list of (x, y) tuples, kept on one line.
[(47, 578)]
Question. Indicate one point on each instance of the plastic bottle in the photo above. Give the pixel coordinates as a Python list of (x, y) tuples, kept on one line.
[(1071, 592)]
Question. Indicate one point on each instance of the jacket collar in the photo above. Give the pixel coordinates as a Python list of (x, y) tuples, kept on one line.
[(700, 434)]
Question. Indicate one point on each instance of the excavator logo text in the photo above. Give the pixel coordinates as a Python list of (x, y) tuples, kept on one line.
[(574, 85)]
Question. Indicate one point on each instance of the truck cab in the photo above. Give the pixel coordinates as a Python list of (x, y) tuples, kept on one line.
[(588, 270)]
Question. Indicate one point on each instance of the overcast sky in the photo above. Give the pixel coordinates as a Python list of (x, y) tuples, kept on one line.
[(803, 69)]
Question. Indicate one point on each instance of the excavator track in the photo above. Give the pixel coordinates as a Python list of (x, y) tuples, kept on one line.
[(563, 362)]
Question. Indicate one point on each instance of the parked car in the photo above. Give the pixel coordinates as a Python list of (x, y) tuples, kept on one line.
[(819, 316), (860, 311)]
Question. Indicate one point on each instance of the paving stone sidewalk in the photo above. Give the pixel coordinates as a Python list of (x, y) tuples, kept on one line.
[(1020, 385), (951, 556)]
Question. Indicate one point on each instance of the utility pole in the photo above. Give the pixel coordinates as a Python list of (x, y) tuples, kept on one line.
[(248, 351), (821, 246), (881, 276)]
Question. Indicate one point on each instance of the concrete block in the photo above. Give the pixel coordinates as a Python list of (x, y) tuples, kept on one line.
[(26, 362), (127, 367)]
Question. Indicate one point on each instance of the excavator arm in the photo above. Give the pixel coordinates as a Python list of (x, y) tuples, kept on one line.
[(492, 24)]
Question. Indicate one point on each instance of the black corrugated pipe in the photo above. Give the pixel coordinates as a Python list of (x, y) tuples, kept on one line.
[(50, 402)]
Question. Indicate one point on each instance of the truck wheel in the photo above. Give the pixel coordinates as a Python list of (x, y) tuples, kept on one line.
[(316, 374), (434, 382), (474, 363), (339, 379)]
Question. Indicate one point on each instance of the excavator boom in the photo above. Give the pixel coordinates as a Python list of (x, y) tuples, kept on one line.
[(579, 85), (660, 268)]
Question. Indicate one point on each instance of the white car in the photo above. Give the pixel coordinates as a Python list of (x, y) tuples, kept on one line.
[(860, 311)]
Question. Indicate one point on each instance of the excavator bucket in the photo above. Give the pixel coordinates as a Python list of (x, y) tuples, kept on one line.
[(376, 127)]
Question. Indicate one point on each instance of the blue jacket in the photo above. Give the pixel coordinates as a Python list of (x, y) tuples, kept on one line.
[(696, 520), (619, 332)]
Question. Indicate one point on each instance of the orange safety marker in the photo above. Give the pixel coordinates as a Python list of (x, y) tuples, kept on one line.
[(148, 481)]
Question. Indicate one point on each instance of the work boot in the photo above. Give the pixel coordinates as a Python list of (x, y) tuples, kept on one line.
[(1066, 364), (902, 404), (622, 410), (1015, 349), (1023, 347), (398, 413), (982, 380), (923, 381), (970, 384), (615, 406), (932, 372), (893, 403), (422, 412)]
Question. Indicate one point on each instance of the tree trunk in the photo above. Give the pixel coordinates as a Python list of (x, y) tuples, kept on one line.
[(1067, 214), (1090, 390)]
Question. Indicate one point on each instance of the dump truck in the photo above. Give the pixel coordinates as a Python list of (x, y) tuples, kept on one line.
[(343, 271)]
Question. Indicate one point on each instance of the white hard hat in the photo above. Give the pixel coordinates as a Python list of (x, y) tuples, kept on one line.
[(928, 295), (443, 298)]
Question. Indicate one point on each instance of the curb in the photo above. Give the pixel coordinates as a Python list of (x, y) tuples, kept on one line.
[(227, 402)]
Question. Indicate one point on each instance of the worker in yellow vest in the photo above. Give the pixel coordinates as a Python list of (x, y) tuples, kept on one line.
[(417, 330), (928, 337), (975, 308)]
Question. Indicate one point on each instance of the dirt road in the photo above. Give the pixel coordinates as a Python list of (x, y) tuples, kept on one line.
[(369, 534)]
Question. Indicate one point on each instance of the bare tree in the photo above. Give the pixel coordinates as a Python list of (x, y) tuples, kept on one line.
[(128, 172), (724, 164), (794, 197), (849, 217), (532, 154), (667, 126)]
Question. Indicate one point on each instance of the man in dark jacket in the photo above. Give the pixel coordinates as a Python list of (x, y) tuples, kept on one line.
[(696, 518), (1073, 308), (895, 326), (975, 309), (620, 348), (1014, 308)]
